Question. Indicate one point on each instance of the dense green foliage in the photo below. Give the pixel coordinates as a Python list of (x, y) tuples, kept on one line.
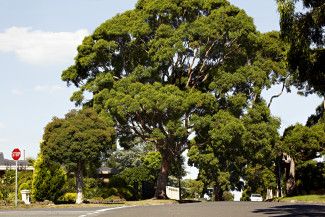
[(192, 189), (138, 167), (48, 180), (79, 138), (78, 141), (165, 67), (68, 197), (119, 187), (7, 185), (304, 30), (303, 144), (176, 75), (302, 26), (310, 177), (239, 148)]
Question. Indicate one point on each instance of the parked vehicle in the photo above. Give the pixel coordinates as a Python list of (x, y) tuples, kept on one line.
[(256, 197)]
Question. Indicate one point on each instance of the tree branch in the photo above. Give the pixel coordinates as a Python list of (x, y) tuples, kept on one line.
[(279, 94), (190, 71)]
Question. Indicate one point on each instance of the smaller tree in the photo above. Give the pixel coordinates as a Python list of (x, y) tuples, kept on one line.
[(78, 141), (301, 144), (48, 180)]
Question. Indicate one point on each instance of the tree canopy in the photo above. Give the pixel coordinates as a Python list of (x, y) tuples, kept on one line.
[(235, 147), (304, 143), (303, 28), (163, 68), (79, 140)]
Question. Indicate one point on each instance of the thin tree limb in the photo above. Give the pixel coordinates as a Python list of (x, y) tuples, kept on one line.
[(279, 94)]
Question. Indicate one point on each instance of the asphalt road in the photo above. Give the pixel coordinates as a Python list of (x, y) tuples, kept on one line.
[(217, 209)]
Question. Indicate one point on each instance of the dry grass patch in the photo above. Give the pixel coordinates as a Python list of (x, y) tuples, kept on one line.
[(149, 202)]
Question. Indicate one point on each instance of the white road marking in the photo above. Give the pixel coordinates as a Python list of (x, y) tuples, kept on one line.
[(104, 210)]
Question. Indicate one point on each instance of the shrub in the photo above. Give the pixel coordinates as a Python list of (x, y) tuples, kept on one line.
[(24, 186), (227, 196), (68, 198), (92, 188), (7, 183), (112, 191), (192, 188), (11, 197), (25, 177), (118, 186), (48, 180)]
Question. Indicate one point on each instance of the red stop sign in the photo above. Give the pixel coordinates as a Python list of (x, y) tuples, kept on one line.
[(16, 154)]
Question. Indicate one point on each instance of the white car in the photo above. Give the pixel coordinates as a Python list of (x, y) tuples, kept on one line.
[(206, 196), (256, 197)]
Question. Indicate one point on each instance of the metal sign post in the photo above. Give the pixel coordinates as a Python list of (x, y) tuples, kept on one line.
[(16, 155), (16, 198)]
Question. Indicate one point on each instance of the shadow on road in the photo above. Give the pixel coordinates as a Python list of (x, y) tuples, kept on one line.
[(300, 210)]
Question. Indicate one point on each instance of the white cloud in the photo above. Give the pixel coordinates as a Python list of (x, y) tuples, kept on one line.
[(40, 48), (17, 92), (2, 125), (48, 88), (2, 140)]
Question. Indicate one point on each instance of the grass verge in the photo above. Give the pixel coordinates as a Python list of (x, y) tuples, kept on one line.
[(305, 198)]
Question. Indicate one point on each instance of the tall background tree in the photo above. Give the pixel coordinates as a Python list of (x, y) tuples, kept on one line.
[(80, 140), (303, 28), (161, 67)]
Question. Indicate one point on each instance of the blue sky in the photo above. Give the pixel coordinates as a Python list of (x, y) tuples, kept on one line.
[(38, 40)]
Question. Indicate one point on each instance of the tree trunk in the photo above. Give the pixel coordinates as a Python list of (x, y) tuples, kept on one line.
[(218, 192), (278, 175), (269, 194), (290, 176), (162, 178), (79, 184)]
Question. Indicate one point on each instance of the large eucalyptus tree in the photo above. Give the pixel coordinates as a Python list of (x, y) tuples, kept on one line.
[(167, 64)]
